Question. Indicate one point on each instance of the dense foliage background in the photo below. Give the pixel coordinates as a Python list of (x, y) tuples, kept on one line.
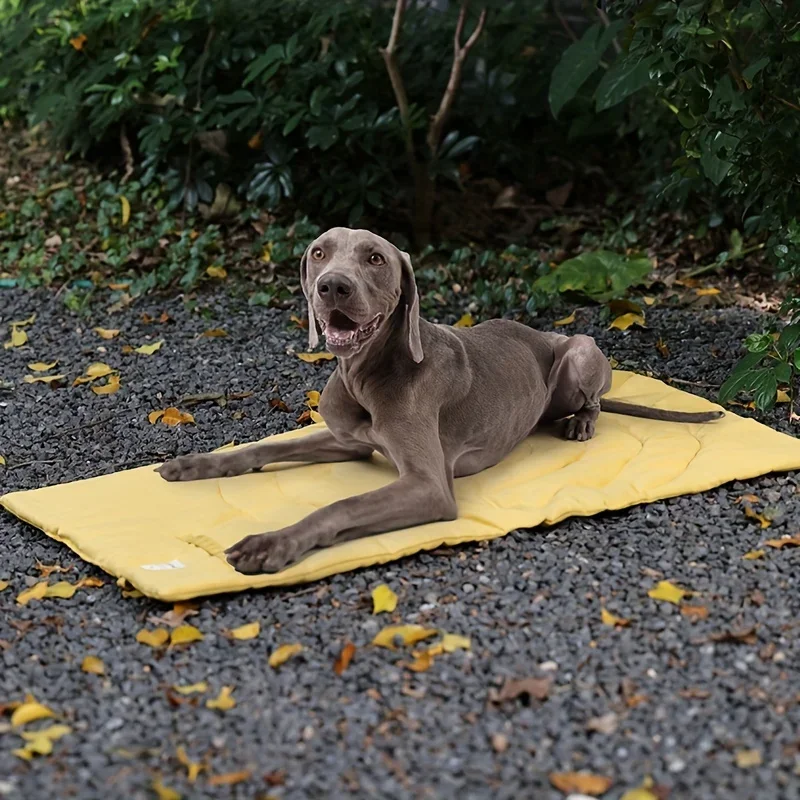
[(236, 107)]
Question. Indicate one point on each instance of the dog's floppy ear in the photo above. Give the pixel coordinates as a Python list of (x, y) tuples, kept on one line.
[(313, 334), (408, 287)]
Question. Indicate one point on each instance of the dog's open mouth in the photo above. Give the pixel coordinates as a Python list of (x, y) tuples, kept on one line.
[(345, 333)]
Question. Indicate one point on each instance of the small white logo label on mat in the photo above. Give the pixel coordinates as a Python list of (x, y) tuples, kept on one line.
[(174, 564)]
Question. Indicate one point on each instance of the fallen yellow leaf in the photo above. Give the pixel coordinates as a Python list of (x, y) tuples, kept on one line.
[(62, 590), (249, 631), (185, 634), (170, 416), (624, 321), (215, 271), (453, 641), (30, 711), (41, 742), (107, 333), (312, 399), (230, 778), (2, 461), (41, 366), (642, 792), (93, 665), (111, 387), (18, 337), (93, 372), (611, 619), (383, 599), (283, 654), (565, 320), (786, 541), (752, 555), (36, 592), (422, 662), (466, 321), (706, 292), (126, 210), (315, 416), (223, 701), (164, 792), (193, 688), (4, 585), (154, 638), (78, 41), (148, 349), (405, 634), (748, 758), (193, 768), (648, 301), (782, 397), (765, 522), (668, 592), (215, 333), (21, 323), (43, 378), (581, 782), (311, 358)]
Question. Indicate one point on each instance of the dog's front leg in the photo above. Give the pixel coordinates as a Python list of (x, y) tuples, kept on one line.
[(423, 493), (316, 447)]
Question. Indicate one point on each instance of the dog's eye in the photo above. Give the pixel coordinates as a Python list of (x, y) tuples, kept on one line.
[(317, 254), (377, 260)]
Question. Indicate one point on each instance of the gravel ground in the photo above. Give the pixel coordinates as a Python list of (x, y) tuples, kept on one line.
[(676, 704)]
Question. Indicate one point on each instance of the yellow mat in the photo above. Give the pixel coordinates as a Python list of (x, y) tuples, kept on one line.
[(167, 539)]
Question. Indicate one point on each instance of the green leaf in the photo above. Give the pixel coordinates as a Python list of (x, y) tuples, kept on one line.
[(797, 358), (575, 67), (748, 73), (783, 372), (765, 388), (741, 378), (622, 79), (788, 339), (758, 342)]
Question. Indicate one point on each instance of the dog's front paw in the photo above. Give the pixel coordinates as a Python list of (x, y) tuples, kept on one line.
[(263, 552), (189, 468), (580, 427)]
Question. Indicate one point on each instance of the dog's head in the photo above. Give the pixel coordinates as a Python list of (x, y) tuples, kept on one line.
[(354, 281)]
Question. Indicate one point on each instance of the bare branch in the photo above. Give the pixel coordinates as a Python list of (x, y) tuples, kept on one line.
[(460, 53), (398, 87)]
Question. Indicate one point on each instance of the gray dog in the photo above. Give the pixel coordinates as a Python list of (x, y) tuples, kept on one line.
[(438, 402)]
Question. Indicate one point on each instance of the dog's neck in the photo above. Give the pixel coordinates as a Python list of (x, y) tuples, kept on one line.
[(381, 354)]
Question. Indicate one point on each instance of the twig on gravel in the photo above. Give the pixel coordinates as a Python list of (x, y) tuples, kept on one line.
[(35, 461), (101, 421)]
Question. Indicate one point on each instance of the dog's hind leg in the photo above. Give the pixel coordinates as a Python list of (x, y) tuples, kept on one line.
[(579, 377)]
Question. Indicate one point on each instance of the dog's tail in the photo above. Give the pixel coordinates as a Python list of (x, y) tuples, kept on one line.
[(633, 410)]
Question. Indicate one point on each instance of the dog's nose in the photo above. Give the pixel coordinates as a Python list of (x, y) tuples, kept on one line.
[(334, 285)]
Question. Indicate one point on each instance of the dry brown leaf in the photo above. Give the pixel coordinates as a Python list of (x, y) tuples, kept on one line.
[(244, 632), (565, 320), (422, 662), (383, 599), (662, 347), (156, 638), (230, 778), (606, 724), (176, 615), (706, 292), (311, 358), (224, 701), (785, 541), (405, 634), (608, 618), (215, 333), (465, 321), (276, 402), (558, 196), (148, 349), (525, 688), (748, 758), (107, 333), (624, 321), (743, 635), (345, 657), (694, 612), (750, 498), (112, 386), (283, 654), (185, 634), (42, 366), (581, 782), (254, 142), (694, 693), (300, 323), (79, 41), (93, 665)]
